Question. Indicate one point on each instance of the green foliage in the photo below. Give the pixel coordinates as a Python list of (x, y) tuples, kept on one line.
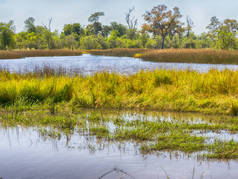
[(90, 42), (7, 39), (162, 29)]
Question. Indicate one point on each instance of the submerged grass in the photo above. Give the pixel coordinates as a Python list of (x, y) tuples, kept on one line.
[(175, 55), (155, 135), (13, 54)]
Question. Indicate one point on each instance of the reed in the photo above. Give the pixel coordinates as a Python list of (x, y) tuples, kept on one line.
[(209, 56), (164, 90), (192, 56), (14, 54), (119, 52)]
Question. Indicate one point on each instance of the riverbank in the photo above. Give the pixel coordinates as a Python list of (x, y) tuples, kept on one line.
[(14, 54), (206, 56), (214, 92), (202, 56)]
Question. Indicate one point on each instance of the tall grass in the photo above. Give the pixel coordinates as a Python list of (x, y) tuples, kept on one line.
[(211, 92), (192, 56), (5, 54), (175, 55)]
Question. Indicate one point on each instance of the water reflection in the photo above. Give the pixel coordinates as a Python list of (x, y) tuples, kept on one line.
[(30, 152), (89, 64)]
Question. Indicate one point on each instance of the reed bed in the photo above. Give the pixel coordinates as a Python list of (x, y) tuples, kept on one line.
[(209, 56), (164, 90), (118, 52), (6, 54), (192, 56)]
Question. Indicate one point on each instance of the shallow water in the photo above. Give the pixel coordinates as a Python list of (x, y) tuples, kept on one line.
[(88, 64), (26, 153)]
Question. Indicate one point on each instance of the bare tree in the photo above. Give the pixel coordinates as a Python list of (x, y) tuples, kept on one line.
[(49, 24), (131, 20), (190, 25)]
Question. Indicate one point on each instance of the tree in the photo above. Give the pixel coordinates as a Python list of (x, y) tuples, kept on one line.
[(106, 30), (223, 34), (214, 24), (227, 32), (95, 17), (30, 24), (94, 29), (162, 22), (120, 28), (131, 20), (190, 25), (7, 39), (75, 28)]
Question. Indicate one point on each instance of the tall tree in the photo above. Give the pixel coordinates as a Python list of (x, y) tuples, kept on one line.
[(7, 35), (120, 28), (30, 24), (223, 34), (189, 26), (163, 22), (95, 17), (96, 27), (75, 28), (227, 33)]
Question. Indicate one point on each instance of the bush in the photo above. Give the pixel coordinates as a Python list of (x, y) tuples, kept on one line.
[(90, 42)]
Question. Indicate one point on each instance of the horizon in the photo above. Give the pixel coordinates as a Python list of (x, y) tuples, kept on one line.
[(72, 11)]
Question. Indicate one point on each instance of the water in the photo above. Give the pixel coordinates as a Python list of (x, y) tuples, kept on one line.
[(26, 153), (88, 64)]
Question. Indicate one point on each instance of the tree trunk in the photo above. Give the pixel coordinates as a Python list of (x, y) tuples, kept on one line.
[(163, 39)]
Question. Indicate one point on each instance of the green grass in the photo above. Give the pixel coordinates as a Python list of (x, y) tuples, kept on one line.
[(214, 92), (155, 135)]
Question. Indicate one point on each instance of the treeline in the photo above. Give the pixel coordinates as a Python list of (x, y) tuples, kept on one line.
[(162, 28)]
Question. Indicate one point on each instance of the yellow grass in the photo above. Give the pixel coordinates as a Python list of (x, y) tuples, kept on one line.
[(5, 54), (175, 55)]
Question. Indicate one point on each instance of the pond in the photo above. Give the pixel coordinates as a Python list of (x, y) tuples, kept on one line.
[(27, 152), (88, 64)]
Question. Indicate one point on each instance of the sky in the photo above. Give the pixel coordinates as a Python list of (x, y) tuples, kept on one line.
[(71, 11)]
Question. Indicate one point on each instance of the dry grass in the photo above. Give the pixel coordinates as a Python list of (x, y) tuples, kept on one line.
[(5, 54), (119, 52), (175, 55), (192, 56)]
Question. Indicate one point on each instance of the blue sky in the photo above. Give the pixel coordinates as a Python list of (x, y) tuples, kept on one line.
[(70, 11)]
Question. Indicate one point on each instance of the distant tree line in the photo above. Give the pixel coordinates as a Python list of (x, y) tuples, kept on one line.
[(162, 28)]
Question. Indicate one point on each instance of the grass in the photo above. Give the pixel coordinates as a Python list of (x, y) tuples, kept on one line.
[(168, 55), (209, 56), (119, 52), (155, 135), (50, 99), (214, 92), (14, 54)]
